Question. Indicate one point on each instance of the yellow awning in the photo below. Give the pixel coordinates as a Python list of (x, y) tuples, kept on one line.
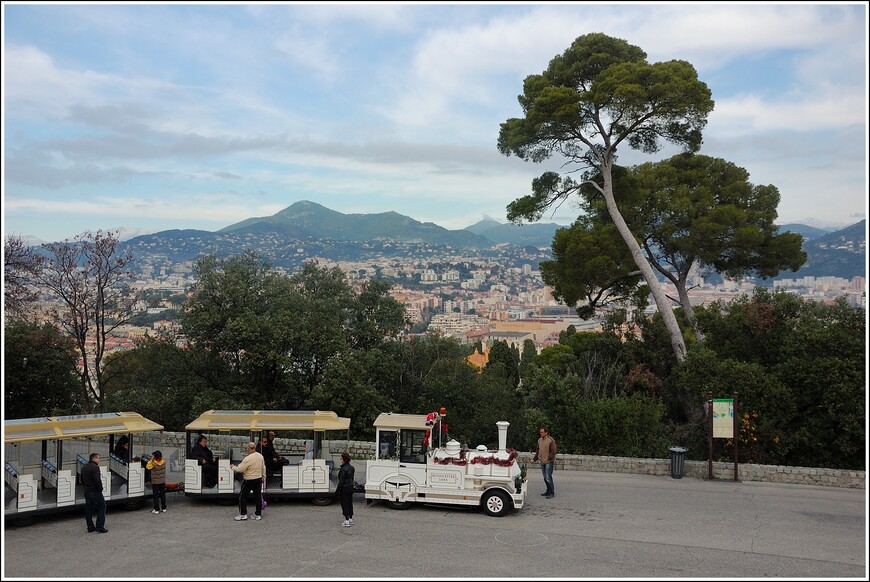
[(85, 425), (255, 420)]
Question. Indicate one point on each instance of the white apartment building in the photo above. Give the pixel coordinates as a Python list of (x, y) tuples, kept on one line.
[(456, 324)]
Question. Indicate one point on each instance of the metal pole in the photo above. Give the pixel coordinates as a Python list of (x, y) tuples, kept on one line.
[(736, 437), (710, 436)]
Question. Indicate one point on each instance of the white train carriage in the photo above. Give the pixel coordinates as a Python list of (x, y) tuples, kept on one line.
[(312, 475), (43, 458)]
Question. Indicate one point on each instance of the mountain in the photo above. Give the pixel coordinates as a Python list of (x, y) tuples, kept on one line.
[(306, 229), (304, 220), (483, 226), (806, 231), (841, 253), (533, 235)]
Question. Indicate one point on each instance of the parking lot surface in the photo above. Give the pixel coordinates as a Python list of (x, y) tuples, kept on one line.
[(599, 525)]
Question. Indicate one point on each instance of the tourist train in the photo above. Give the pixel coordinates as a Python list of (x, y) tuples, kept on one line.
[(412, 462)]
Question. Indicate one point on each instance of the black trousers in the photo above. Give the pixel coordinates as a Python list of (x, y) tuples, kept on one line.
[(209, 475), (346, 496), (254, 486), (95, 503), (159, 491)]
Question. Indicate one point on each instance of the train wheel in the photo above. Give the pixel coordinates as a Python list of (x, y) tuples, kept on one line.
[(398, 504), (133, 504), (21, 521), (495, 503)]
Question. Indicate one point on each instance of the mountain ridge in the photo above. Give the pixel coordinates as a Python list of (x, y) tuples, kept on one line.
[(306, 219), (328, 233)]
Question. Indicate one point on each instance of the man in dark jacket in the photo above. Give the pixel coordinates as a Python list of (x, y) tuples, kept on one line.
[(205, 459), (274, 461), (345, 489), (92, 481)]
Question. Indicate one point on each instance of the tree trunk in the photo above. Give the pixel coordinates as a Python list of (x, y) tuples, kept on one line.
[(658, 292), (690, 313)]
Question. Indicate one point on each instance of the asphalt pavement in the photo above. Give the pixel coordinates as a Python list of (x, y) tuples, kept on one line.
[(599, 525)]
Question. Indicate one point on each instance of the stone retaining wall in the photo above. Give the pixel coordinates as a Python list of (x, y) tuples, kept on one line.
[(661, 467)]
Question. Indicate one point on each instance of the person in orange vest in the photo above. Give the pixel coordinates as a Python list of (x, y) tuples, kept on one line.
[(157, 466)]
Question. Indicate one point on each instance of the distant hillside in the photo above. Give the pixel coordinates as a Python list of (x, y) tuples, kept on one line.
[(483, 226), (533, 235), (304, 220), (841, 253), (808, 232)]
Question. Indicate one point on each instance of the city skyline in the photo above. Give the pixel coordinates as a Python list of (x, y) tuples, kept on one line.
[(154, 117)]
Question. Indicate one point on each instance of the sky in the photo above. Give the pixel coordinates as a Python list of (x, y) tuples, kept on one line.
[(149, 117)]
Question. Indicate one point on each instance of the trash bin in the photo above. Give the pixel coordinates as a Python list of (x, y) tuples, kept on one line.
[(678, 458)]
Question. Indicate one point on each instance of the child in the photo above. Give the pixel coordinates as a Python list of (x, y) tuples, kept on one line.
[(157, 466)]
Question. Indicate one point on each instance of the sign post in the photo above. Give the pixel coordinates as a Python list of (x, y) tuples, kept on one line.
[(723, 424), (710, 436)]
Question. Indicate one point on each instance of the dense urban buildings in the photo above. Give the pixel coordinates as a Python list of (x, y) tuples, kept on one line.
[(473, 298)]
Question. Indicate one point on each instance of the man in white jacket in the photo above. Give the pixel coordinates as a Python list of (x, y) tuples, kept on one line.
[(253, 468)]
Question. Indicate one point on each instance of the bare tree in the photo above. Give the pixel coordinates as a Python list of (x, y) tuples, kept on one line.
[(91, 282), (21, 267)]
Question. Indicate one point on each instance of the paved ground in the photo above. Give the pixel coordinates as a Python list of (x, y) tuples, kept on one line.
[(598, 525)]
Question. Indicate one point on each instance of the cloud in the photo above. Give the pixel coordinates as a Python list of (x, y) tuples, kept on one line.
[(749, 114), (36, 86), (469, 64), (226, 175), (200, 206)]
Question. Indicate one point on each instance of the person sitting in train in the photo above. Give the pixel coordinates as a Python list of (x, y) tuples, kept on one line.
[(122, 449), (309, 450), (274, 461), (205, 459)]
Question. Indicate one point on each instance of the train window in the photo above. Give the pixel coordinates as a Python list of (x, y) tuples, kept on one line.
[(387, 440), (412, 446)]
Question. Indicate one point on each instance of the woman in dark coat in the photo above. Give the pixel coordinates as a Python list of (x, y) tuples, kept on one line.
[(345, 489)]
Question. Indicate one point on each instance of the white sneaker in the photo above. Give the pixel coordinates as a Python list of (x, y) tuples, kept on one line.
[(345, 523), (350, 521), (154, 511), (258, 517), (240, 517), (164, 510)]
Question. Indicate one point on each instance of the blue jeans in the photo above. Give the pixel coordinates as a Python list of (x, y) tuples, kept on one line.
[(547, 472), (95, 502)]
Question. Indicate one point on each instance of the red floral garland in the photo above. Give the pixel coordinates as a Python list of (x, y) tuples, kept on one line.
[(449, 460), (480, 460), (512, 454)]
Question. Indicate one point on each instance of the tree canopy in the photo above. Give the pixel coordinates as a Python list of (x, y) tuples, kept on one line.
[(39, 372), (597, 95), (689, 212), (90, 277)]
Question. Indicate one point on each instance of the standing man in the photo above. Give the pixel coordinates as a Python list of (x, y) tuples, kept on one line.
[(92, 481), (254, 469), (546, 454)]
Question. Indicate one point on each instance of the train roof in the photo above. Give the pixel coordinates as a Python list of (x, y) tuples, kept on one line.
[(227, 420), (83, 425), (409, 421)]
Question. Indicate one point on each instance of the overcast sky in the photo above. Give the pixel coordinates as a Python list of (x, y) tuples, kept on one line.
[(152, 117)]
